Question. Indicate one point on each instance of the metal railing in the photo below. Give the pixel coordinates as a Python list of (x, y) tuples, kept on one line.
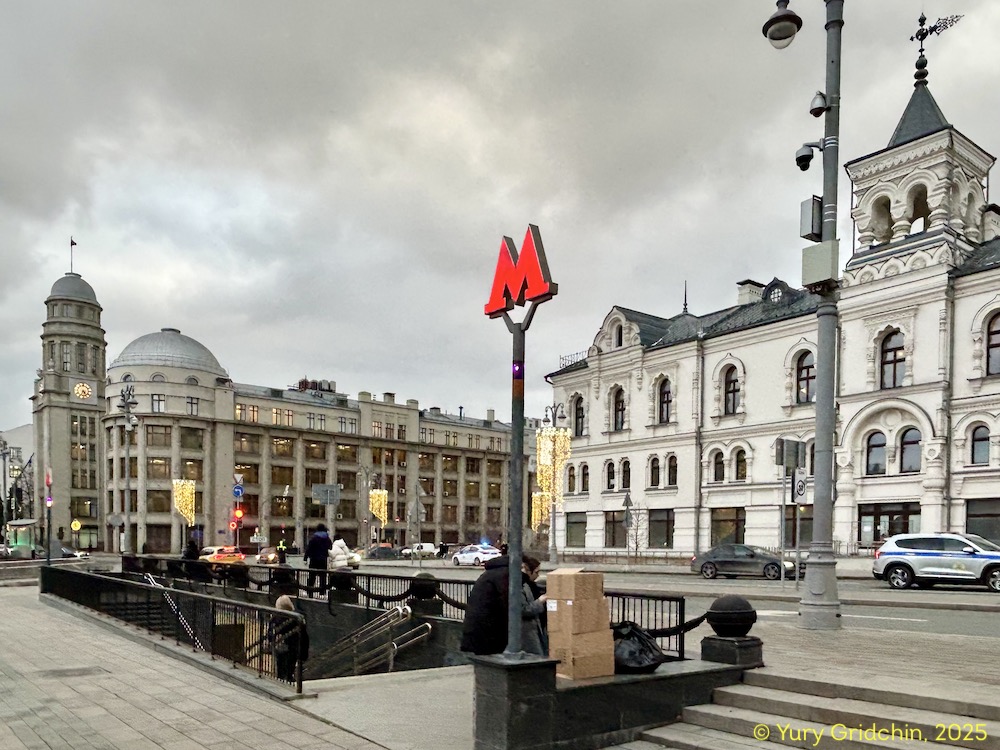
[(259, 638), (373, 644), (651, 611)]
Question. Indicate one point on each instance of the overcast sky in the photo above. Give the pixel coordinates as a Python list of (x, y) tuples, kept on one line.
[(320, 188)]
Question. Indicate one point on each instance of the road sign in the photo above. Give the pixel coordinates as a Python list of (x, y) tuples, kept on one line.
[(628, 499), (258, 539), (237, 490), (799, 486), (237, 478), (76, 525), (326, 494)]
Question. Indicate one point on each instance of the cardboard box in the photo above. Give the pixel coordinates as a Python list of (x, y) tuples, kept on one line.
[(574, 583), (578, 615), (583, 656)]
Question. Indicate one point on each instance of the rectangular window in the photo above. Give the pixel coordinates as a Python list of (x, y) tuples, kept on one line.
[(241, 412), (289, 418), (67, 356), (430, 436), (494, 468), (376, 429), (349, 479), (158, 436), (316, 450), (310, 421), (254, 413), (315, 476), (352, 426), (471, 490), (276, 415), (282, 447), (449, 464), (191, 469), (728, 525), (493, 490), (321, 421), (158, 501), (159, 403), (158, 468), (390, 430), (192, 406), (401, 432), (81, 357), (472, 514), (661, 529), (342, 424), (576, 530), (450, 487), (426, 461), (423, 434), (473, 466), (615, 535), (347, 453), (427, 485), (192, 439), (281, 507), (95, 357), (470, 439), (282, 476), (449, 514), (245, 442), (249, 472)]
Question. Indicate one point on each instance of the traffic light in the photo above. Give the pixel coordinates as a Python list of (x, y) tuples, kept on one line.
[(238, 515)]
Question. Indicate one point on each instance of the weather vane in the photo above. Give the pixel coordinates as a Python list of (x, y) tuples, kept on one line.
[(922, 33), (935, 28)]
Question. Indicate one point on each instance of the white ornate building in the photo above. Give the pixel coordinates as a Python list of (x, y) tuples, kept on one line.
[(683, 413), (194, 423)]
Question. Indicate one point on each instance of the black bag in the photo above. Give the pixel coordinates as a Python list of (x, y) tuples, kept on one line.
[(636, 651)]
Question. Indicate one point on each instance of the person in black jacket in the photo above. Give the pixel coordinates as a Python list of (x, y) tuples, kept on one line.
[(484, 630), (317, 552)]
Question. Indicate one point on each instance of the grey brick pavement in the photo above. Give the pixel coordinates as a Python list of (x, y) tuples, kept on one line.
[(66, 683)]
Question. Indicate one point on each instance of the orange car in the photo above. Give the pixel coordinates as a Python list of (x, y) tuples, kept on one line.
[(222, 555)]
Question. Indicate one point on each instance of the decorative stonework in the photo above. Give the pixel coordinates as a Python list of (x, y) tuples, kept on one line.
[(877, 327)]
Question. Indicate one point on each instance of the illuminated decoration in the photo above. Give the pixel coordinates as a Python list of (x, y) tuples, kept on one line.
[(520, 277), (554, 445), (539, 510), (378, 502), (184, 499)]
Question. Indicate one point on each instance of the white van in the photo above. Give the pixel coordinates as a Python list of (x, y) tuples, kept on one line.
[(420, 549)]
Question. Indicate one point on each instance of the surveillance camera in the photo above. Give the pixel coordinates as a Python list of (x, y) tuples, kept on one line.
[(803, 157)]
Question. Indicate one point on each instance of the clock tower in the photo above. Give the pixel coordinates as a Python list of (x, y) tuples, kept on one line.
[(68, 404)]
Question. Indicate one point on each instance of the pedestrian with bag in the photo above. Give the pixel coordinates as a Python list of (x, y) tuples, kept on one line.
[(289, 642), (317, 553), (340, 553), (484, 630)]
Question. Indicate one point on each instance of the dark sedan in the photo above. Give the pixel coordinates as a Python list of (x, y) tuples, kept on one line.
[(380, 552), (731, 560)]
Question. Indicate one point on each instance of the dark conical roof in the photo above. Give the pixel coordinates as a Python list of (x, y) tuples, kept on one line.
[(921, 117)]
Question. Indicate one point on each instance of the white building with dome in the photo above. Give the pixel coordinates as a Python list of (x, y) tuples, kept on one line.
[(194, 424), (681, 414)]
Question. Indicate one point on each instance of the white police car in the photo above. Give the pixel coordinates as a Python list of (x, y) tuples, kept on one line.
[(926, 559)]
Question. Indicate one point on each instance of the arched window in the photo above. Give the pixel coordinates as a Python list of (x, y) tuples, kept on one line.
[(893, 361), (666, 399), (191, 380), (909, 454), (718, 467), (571, 480), (610, 476), (993, 346), (740, 464), (672, 471), (731, 383), (619, 421), (654, 473), (875, 454), (578, 417), (805, 378), (584, 478), (626, 475), (981, 445), (619, 336), (158, 378)]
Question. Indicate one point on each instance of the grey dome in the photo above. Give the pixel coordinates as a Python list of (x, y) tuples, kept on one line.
[(72, 286), (168, 348)]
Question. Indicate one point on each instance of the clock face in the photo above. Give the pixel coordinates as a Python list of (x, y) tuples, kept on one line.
[(82, 391)]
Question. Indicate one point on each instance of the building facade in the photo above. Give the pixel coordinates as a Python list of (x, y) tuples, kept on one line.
[(195, 430), (682, 414)]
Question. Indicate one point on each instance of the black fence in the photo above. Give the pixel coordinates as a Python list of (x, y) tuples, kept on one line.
[(662, 614), (260, 638)]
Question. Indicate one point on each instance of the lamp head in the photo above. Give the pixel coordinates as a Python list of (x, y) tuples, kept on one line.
[(781, 28)]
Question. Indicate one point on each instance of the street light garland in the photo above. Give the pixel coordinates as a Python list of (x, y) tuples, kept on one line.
[(184, 499), (539, 510), (378, 502), (553, 447)]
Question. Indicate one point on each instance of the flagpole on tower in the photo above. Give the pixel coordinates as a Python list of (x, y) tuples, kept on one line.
[(72, 244)]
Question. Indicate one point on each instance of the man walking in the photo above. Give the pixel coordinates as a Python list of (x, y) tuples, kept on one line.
[(317, 552)]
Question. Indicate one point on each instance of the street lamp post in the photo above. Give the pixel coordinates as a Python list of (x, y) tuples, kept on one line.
[(819, 608), (127, 404), (5, 453), (552, 444)]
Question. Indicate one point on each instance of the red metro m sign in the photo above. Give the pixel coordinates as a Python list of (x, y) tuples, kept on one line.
[(520, 277)]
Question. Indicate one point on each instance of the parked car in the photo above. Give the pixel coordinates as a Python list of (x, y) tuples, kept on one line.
[(222, 555), (475, 554), (421, 549), (926, 559), (731, 560), (382, 552)]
